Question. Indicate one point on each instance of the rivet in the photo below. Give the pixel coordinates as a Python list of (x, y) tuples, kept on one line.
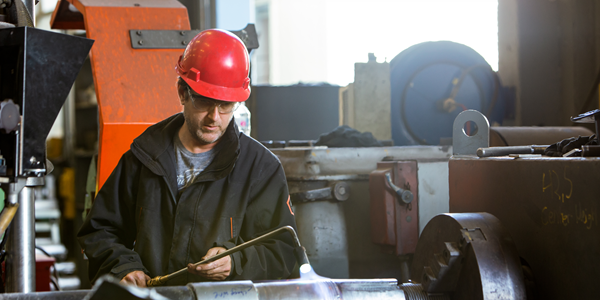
[(183, 42), (140, 42), (138, 32)]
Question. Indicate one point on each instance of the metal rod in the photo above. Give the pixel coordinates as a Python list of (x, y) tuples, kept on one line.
[(501, 151), (160, 280), (20, 261)]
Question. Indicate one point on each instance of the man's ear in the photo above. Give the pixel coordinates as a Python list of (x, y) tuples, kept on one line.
[(181, 92)]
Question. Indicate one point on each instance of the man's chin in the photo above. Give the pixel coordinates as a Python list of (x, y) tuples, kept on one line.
[(208, 138)]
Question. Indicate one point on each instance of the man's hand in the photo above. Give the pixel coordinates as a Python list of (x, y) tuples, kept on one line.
[(216, 270), (136, 278)]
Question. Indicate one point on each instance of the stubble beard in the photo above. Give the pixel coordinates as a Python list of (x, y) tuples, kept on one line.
[(202, 137)]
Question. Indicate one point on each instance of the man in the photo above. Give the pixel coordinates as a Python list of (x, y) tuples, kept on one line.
[(192, 186)]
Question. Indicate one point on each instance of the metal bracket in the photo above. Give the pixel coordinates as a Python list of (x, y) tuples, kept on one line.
[(178, 39), (463, 144)]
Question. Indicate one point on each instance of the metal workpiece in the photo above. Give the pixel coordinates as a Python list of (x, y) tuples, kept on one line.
[(468, 256), (549, 205), (314, 288), (467, 143), (20, 259), (500, 151)]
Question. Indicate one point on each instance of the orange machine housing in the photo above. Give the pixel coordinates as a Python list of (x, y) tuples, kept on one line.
[(135, 88)]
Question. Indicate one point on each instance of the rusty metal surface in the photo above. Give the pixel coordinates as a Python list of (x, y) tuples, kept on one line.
[(63, 17), (468, 256), (394, 223), (135, 88), (523, 136), (550, 208)]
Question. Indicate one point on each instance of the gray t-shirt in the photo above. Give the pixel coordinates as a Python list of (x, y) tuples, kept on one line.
[(189, 165)]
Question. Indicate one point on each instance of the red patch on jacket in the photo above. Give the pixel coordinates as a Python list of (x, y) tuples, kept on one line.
[(290, 206)]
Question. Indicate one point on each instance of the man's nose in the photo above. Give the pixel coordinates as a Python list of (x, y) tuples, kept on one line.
[(213, 113)]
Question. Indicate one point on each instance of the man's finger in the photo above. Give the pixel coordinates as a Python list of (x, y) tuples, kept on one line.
[(213, 265), (222, 269)]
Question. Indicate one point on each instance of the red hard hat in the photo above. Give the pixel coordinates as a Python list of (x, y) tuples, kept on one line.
[(215, 64)]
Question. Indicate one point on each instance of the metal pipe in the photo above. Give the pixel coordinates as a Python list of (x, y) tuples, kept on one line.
[(501, 151), (20, 261), (160, 280)]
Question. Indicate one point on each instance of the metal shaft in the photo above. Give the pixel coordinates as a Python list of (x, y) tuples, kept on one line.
[(20, 261), (160, 280), (501, 151)]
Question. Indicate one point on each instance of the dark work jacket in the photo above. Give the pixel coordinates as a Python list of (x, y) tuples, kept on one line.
[(139, 221)]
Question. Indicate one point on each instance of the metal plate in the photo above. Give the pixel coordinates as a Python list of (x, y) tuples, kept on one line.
[(550, 208), (178, 39), (463, 144)]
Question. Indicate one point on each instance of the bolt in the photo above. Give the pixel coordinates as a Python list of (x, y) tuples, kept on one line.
[(33, 159), (138, 32), (182, 33), (140, 42), (342, 190), (183, 42)]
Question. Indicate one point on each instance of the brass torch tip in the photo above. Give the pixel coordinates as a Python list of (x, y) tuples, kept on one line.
[(156, 281)]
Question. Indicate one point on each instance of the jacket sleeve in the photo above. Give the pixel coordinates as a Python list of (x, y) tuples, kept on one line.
[(108, 233), (269, 208)]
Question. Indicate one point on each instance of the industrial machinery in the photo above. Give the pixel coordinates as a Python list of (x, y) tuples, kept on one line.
[(334, 189), (432, 82), (362, 212), (37, 70), (459, 256), (547, 204)]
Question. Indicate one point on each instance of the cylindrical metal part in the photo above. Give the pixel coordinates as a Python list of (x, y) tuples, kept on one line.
[(20, 260), (522, 136), (500, 151), (317, 288)]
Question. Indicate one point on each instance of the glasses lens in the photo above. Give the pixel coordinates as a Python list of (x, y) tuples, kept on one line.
[(202, 104), (227, 107)]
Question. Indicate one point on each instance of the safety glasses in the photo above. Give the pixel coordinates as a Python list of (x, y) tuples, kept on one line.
[(203, 104)]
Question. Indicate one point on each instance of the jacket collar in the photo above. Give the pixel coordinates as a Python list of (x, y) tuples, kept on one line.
[(155, 149)]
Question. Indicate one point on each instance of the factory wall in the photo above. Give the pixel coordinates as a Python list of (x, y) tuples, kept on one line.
[(549, 51)]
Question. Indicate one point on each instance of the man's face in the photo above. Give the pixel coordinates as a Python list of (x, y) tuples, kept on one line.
[(204, 120)]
